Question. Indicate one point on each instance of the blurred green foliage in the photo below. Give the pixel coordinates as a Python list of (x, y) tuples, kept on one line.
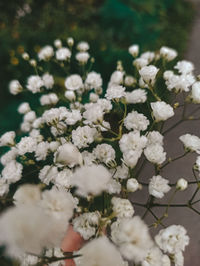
[(110, 26)]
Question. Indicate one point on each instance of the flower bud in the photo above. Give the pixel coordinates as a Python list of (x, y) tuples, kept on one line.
[(25, 56), (33, 62), (181, 184), (132, 185), (70, 95), (70, 41)]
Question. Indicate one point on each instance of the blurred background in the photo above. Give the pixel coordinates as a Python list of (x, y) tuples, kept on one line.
[(110, 26)]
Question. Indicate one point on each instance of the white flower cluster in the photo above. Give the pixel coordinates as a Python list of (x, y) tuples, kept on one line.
[(84, 148)]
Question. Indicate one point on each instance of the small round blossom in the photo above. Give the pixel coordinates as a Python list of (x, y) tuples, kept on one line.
[(172, 239), (168, 74), (63, 54), (158, 186), (195, 93), (184, 67), (93, 114), (12, 172), (116, 77), (129, 81), (41, 150), (115, 92), (181, 184), (83, 46), (132, 141), (168, 53), (140, 62), (93, 81), (70, 95), (132, 237), (74, 82), (121, 172), (179, 83), (48, 99), (155, 153), (154, 137), (131, 157), (34, 84), (70, 41), (7, 139), (113, 187), (136, 121), (68, 154), (149, 56), (122, 207), (46, 53), (30, 117), (82, 57), (82, 136), (161, 111), (101, 252), (148, 74), (91, 180), (15, 87), (191, 142), (47, 174), (26, 144), (133, 50), (136, 96), (9, 156), (48, 80), (86, 223), (58, 43), (154, 258), (132, 185), (27, 194), (104, 153), (93, 97), (24, 108)]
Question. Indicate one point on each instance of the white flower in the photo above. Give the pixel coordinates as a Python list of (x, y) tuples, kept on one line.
[(195, 93), (93, 97), (179, 83), (168, 53), (93, 81), (131, 157), (70, 41), (154, 257), (113, 187), (181, 184), (155, 153), (172, 239), (74, 82), (19, 226), (132, 237), (48, 80), (140, 62), (168, 74), (15, 87), (30, 117), (48, 99), (178, 259), (26, 144), (154, 137), (136, 96), (47, 174), (115, 92), (86, 223), (191, 142), (68, 154), (149, 56), (184, 67), (63, 178), (46, 53), (59, 203), (91, 180), (63, 54), (121, 172), (88, 158), (4, 187), (158, 186), (132, 185), (82, 57), (73, 117), (132, 141), (148, 74), (7, 139), (122, 207), (93, 113), (104, 153), (12, 172), (51, 116), (58, 43), (70, 95), (34, 83), (161, 111), (42, 150), (27, 194), (24, 108), (82, 136), (9, 156), (105, 104), (83, 46), (136, 121), (116, 77), (133, 50), (99, 252), (129, 81)]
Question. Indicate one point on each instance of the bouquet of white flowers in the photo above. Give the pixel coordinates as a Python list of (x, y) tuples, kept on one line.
[(80, 156)]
